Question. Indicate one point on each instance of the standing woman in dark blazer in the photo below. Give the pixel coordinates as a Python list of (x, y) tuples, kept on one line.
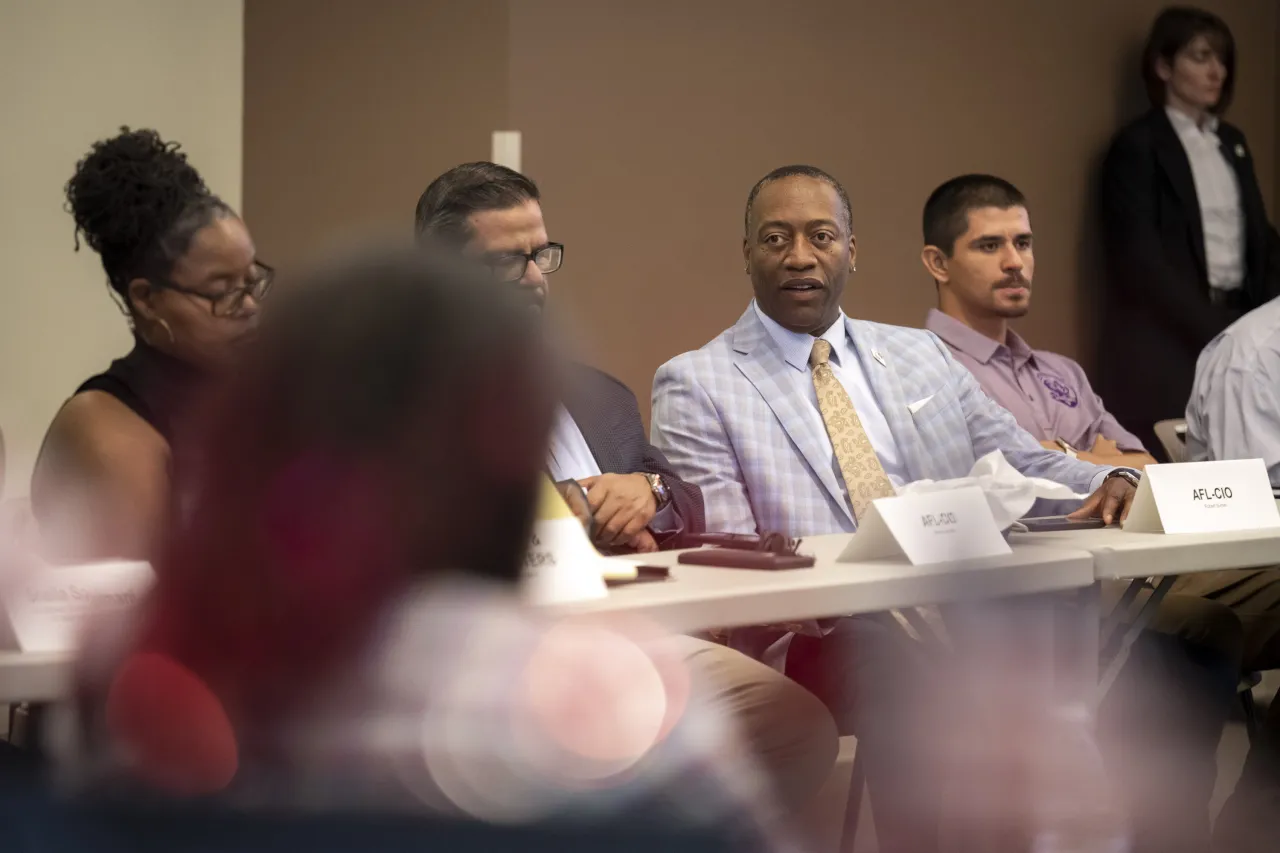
[(1188, 244)]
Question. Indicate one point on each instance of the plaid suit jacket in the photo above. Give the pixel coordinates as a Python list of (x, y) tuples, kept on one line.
[(606, 412), (727, 419)]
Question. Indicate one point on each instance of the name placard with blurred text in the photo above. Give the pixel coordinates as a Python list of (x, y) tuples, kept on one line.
[(1203, 497), (561, 565), (933, 527), (46, 614)]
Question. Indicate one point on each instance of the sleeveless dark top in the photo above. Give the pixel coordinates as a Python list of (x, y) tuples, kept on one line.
[(155, 386)]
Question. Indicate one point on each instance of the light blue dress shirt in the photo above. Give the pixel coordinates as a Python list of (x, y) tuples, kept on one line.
[(847, 367), (1234, 410)]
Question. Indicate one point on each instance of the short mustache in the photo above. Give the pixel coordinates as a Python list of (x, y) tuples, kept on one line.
[(1015, 280)]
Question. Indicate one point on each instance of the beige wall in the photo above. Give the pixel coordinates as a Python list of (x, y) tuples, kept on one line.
[(647, 123), (348, 117), (70, 73)]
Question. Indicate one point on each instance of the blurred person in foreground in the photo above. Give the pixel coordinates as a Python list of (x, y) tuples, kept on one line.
[(336, 624), (184, 271), (494, 214), (1188, 245), (1178, 688)]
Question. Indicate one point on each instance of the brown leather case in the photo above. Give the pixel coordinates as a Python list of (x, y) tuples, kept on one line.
[(735, 558)]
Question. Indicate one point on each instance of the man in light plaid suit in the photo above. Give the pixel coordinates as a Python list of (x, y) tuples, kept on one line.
[(741, 419)]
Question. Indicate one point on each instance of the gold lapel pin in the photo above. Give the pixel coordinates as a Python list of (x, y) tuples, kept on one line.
[(879, 356)]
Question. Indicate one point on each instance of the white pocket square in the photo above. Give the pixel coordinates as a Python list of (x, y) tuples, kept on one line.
[(918, 404)]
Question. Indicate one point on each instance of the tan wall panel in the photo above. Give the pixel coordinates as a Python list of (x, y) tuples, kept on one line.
[(71, 73), (647, 123), (352, 107), (658, 117)]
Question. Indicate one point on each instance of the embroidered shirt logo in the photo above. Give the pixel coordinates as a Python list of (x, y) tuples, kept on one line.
[(1060, 391)]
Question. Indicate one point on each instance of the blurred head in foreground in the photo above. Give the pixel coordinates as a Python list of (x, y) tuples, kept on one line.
[(308, 641), (388, 426)]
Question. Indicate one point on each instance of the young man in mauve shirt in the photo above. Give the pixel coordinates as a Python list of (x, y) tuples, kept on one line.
[(978, 248)]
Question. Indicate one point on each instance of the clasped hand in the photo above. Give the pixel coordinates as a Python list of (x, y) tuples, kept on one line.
[(622, 505)]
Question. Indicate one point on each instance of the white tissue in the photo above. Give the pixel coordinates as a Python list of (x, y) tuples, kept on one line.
[(1008, 492)]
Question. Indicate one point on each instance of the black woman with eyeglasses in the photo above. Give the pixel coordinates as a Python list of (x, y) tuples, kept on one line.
[(183, 269)]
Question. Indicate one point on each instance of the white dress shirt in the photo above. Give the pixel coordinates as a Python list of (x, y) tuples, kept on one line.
[(847, 367), (568, 456), (1234, 411), (1218, 192)]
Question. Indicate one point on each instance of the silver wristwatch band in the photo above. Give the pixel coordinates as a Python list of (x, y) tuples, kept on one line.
[(661, 494), (1130, 475)]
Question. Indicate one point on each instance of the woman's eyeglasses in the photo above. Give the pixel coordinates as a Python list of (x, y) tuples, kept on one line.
[(231, 302)]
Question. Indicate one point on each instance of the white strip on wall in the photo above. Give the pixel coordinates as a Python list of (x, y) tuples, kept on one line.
[(506, 149)]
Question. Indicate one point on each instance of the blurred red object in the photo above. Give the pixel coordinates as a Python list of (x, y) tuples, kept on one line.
[(172, 726)]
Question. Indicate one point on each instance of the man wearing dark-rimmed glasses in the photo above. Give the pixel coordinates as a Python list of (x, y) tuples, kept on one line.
[(494, 215)]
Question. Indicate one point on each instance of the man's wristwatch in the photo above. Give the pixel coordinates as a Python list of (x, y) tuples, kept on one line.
[(1130, 475), (661, 494)]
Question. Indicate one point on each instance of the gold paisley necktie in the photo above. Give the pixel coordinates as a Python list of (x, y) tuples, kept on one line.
[(864, 476)]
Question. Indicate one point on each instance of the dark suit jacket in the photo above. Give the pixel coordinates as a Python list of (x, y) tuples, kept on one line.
[(1156, 314), (606, 412)]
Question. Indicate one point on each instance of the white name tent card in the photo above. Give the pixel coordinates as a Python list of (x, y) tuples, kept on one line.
[(932, 527), (561, 564), (45, 615), (1204, 497)]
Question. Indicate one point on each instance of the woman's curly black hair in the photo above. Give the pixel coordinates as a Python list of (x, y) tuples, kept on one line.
[(138, 203)]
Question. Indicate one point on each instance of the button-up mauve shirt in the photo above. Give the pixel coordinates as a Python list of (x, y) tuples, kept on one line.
[(1048, 393)]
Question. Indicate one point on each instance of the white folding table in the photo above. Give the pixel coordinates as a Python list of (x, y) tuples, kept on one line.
[(1121, 555), (697, 598)]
